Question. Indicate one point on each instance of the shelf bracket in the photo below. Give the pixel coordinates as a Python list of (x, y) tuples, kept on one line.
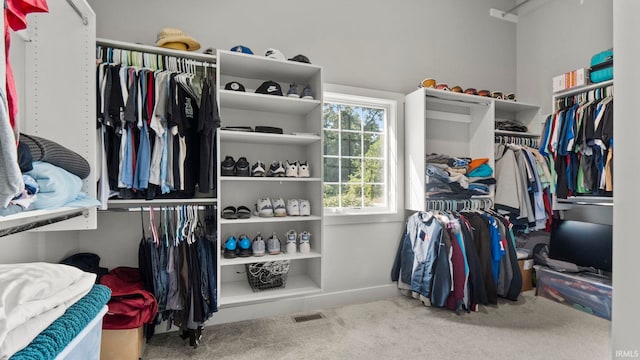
[(507, 15)]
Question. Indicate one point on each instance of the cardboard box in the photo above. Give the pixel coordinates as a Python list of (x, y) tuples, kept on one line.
[(526, 269), (123, 344), (571, 79)]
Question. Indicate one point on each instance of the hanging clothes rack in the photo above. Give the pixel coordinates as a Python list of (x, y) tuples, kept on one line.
[(527, 140), (459, 205), (207, 60), (575, 96)]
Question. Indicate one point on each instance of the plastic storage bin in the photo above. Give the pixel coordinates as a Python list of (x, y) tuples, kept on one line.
[(86, 345), (584, 292)]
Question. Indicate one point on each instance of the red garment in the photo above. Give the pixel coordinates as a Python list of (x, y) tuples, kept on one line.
[(130, 306), (455, 301), (15, 18)]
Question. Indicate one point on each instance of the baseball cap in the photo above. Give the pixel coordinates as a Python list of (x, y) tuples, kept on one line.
[(235, 86), (301, 58), (269, 88), (274, 54), (242, 49)]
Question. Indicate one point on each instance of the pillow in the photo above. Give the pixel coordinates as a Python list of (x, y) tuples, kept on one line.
[(57, 186)]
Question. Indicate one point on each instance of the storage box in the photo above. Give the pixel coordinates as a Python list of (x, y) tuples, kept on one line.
[(86, 345), (267, 275), (125, 344), (588, 293), (526, 269), (571, 79)]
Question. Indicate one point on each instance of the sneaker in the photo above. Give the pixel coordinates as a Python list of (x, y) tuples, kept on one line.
[(293, 207), (293, 91), (244, 246), (257, 246), (242, 167), (304, 238), (279, 209), (292, 237), (291, 169), (230, 247), (303, 169), (273, 244), (276, 169), (258, 169), (305, 207), (264, 208), (228, 166), (307, 93)]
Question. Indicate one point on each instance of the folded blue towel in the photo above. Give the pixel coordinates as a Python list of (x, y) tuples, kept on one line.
[(483, 170), (50, 342)]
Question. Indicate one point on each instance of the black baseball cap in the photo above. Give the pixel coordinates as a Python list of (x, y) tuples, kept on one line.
[(235, 86), (269, 88), (301, 58)]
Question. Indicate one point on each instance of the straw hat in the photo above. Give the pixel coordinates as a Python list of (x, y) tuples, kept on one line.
[(176, 39)]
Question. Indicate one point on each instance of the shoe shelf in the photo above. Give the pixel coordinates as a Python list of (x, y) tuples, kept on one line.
[(266, 138), (239, 292), (267, 257), (275, 219), (268, 179), (269, 103)]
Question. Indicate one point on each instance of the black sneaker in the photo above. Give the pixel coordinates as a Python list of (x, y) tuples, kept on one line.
[(228, 166), (242, 167), (276, 169), (258, 169)]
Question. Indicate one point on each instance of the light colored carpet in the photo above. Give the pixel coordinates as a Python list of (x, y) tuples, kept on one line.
[(402, 328)]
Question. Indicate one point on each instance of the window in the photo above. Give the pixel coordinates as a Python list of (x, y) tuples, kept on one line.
[(358, 168)]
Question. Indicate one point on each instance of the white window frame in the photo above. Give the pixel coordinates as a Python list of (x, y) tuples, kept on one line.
[(394, 186)]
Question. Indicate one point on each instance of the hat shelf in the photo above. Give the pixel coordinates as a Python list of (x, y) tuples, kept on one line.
[(269, 103)]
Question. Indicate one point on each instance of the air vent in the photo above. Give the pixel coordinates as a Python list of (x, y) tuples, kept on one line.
[(303, 318)]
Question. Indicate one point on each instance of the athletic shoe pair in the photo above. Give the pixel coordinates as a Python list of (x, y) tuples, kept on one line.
[(266, 207), (298, 207), (230, 167), (307, 93), (297, 169), (275, 169), (241, 247), (302, 239), (272, 245)]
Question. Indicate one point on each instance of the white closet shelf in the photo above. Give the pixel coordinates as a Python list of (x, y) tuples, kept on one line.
[(587, 200), (516, 133), (260, 67), (127, 203), (268, 179), (257, 219), (514, 106), (238, 292), (270, 103), (27, 220), (267, 257), (156, 50), (582, 89), (450, 96), (267, 138)]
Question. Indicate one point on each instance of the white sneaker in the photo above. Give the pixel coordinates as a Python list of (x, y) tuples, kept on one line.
[(279, 209), (303, 169), (305, 207), (291, 241), (304, 238), (293, 207), (264, 208), (291, 169)]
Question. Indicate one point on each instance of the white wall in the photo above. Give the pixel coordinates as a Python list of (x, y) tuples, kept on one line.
[(626, 317), (556, 36)]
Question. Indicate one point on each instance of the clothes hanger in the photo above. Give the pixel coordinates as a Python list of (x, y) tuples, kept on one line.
[(152, 226)]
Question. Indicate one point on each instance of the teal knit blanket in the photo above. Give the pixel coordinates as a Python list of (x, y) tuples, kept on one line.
[(50, 342)]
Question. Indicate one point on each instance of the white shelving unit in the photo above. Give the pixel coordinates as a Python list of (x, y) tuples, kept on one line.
[(301, 121), (455, 124), (46, 107)]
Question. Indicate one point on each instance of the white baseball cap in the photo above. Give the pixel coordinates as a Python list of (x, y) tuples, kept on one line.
[(274, 54)]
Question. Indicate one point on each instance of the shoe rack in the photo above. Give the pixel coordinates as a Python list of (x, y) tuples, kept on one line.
[(301, 122)]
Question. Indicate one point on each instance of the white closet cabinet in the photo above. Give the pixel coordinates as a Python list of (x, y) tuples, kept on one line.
[(55, 77), (301, 121), (455, 124)]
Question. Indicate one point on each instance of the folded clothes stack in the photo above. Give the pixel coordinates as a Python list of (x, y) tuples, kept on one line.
[(457, 178)]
